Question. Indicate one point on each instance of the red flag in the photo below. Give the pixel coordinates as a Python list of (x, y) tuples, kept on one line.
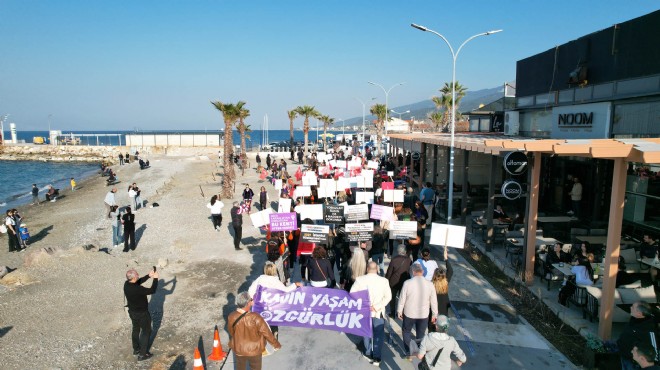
[(387, 185), (299, 174)]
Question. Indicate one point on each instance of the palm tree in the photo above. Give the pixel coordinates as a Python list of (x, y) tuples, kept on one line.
[(380, 111), (445, 101), (243, 113), (327, 121), (436, 118), (307, 111), (292, 116), (231, 114)]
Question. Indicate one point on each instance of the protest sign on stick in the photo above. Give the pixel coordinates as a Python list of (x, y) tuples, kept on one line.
[(284, 205), (261, 218), (283, 221), (403, 229), (314, 233), (360, 232), (447, 235)]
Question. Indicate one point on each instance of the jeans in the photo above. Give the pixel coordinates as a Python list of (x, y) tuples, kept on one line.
[(116, 235), (576, 208), (420, 328), (141, 331), (378, 327), (429, 210), (379, 259), (395, 291)]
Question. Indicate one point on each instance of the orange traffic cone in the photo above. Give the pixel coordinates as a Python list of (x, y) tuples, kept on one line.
[(217, 354), (197, 362)]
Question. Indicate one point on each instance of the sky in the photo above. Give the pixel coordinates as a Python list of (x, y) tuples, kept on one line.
[(156, 65)]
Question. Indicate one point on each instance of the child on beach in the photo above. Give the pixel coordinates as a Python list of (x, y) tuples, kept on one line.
[(73, 184)]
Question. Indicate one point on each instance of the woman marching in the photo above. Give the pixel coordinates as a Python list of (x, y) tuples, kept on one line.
[(263, 198), (216, 212), (441, 279)]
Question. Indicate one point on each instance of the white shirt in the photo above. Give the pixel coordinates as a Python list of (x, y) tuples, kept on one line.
[(431, 266), (380, 293), (576, 191), (110, 199), (132, 193), (216, 208), (268, 281)]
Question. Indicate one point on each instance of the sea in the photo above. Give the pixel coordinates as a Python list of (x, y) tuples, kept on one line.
[(17, 177)]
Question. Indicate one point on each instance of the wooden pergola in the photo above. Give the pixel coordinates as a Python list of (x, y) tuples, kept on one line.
[(621, 151)]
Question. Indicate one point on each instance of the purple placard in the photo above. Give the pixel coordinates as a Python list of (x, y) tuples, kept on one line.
[(283, 221), (316, 308)]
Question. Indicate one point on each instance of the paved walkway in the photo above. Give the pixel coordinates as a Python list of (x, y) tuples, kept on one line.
[(485, 325)]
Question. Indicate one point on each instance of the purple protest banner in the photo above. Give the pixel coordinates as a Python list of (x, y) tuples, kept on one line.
[(283, 221), (316, 308)]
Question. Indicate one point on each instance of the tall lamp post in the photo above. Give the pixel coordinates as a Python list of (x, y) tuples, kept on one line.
[(364, 119), (387, 95), (450, 193), (395, 112)]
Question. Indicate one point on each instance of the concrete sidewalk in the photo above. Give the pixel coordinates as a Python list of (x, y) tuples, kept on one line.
[(485, 325)]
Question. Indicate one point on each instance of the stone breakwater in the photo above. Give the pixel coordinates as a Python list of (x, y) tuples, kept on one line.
[(48, 153)]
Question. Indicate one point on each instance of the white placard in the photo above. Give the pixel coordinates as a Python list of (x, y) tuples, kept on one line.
[(309, 180), (390, 173), (364, 196), (302, 191), (354, 163), (339, 164), (356, 182), (372, 165), (379, 212), (309, 173), (284, 205), (395, 195), (454, 235), (343, 183), (278, 184), (403, 229), (368, 176), (311, 211), (379, 192), (261, 218)]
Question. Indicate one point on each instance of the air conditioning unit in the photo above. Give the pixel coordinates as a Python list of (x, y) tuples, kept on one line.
[(511, 123)]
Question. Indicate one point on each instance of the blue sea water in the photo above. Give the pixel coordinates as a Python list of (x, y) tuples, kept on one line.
[(17, 177)]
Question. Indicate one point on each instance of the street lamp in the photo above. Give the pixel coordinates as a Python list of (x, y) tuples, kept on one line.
[(450, 193), (395, 112), (387, 94), (364, 118)]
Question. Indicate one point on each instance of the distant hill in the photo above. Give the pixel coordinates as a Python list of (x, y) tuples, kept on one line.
[(420, 110)]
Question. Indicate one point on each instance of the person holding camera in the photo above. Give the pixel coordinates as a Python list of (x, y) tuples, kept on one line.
[(138, 310)]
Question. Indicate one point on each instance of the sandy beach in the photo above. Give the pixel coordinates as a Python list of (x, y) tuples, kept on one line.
[(65, 308)]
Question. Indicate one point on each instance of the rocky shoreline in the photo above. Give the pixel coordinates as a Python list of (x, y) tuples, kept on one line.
[(47, 153)]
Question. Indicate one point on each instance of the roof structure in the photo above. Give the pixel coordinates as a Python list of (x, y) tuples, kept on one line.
[(643, 150)]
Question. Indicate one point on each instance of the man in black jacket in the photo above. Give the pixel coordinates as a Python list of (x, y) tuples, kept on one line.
[(138, 310), (397, 274), (237, 223), (639, 330)]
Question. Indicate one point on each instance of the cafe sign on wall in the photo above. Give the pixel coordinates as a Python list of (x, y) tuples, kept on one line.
[(515, 163), (511, 190)]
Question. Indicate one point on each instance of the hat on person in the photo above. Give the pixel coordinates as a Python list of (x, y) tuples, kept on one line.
[(442, 322)]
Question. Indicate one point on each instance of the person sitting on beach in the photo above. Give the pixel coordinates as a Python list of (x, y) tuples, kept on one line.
[(52, 193), (143, 164)]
